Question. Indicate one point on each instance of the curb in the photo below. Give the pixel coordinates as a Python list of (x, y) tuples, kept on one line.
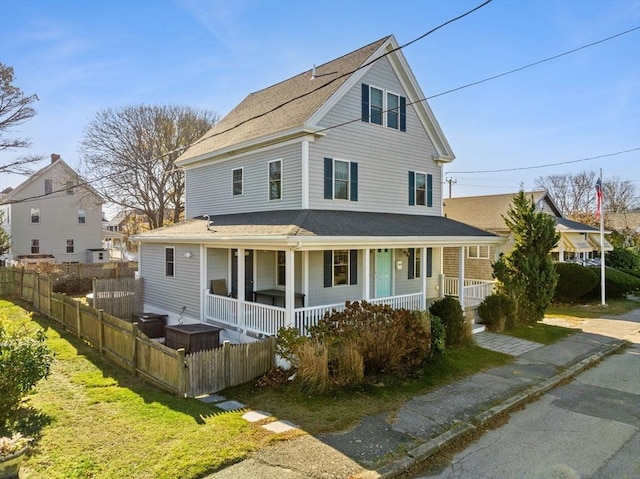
[(432, 446)]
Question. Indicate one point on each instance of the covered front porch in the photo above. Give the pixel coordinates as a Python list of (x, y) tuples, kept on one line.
[(295, 287)]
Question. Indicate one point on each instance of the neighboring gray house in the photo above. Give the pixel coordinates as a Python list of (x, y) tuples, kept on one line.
[(54, 217), (328, 186)]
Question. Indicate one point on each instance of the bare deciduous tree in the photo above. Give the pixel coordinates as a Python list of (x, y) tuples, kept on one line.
[(128, 157), (575, 194), (15, 109)]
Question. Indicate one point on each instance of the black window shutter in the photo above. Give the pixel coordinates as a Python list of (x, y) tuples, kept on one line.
[(365, 102), (403, 114), (354, 181), (429, 190), (328, 178), (429, 262), (328, 268), (412, 188), (353, 266), (412, 264)]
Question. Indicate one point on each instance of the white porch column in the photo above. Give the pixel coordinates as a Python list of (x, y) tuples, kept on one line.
[(290, 286), (423, 276), (366, 281), (461, 276), (203, 280), (241, 291), (305, 276)]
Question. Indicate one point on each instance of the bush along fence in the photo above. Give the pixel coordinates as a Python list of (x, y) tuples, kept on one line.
[(120, 341)]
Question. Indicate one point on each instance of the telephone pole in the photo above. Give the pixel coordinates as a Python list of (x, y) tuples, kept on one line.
[(451, 182)]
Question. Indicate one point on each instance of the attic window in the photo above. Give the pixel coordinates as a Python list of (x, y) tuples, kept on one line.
[(48, 187), (376, 102), (69, 187)]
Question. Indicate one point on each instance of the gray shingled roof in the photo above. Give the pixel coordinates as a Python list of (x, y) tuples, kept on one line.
[(292, 114), (307, 223), (484, 212)]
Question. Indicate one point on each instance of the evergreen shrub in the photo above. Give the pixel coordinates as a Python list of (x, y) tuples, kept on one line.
[(448, 309), (574, 282), (497, 312)]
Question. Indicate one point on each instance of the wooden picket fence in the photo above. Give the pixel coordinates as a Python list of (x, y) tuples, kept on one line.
[(121, 342)]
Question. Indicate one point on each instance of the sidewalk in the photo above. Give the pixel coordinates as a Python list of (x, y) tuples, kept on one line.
[(384, 446)]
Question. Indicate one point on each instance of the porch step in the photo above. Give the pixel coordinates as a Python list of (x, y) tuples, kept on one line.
[(478, 328)]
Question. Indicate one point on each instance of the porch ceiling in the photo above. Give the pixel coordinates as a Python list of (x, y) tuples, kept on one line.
[(315, 228)]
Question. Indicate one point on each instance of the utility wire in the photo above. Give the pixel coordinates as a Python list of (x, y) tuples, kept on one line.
[(281, 105), (544, 166)]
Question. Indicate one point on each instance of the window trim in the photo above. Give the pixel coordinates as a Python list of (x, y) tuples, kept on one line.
[(70, 243), (367, 106), (83, 216), (270, 181), (170, 263), (348, 180), (36, 215), (35, 244), (333, 267), (415, 188), (478, 249), (233, 181), (48, 186)]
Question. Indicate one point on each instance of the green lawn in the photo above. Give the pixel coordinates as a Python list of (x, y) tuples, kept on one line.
[(541, 333), (92, 419), (594, 309), (344, 409)]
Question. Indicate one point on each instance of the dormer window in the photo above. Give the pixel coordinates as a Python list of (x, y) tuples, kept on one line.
[(376, 102)]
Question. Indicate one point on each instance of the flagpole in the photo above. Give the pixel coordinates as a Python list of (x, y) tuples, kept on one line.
[(602, 266)]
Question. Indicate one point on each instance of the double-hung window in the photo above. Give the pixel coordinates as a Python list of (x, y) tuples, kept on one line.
[(82, 217), (237, 180), (70, 246), (35, 246), (415, 262), (478, 252), (420, 189), (48, 186), (393, 110), (281, 268), (169, 262), (275, 180), (340, 180), (69, 187), (35, 216), (340, 267), (376, 102)]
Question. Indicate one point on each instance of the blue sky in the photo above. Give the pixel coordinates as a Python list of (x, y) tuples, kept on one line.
[(83, 56)]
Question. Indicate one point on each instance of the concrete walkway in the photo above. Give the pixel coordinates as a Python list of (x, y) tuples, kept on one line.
[(387, 444)]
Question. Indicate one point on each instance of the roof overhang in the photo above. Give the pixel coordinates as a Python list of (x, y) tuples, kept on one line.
[(293, 134)]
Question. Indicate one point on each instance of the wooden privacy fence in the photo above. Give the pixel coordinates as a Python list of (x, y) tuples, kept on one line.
[(103, 270), (120, 297), (121, 342)]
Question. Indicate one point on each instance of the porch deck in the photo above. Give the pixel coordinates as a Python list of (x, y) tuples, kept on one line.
[(265, 320)]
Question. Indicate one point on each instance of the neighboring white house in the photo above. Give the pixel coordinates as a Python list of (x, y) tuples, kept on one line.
[(53, 216), (578, 242), (328, 186)]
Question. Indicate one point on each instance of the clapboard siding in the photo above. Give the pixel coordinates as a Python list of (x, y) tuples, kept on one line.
[(209, 187), (384, 155), (166, 293), (319, 295)]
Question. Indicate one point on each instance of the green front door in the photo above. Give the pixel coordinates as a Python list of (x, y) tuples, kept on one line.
[(383, 273)]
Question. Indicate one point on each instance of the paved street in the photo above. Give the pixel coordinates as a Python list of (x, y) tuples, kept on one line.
[(586, 429)]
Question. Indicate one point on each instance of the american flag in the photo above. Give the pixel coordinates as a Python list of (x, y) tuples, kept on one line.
[(598, 198)]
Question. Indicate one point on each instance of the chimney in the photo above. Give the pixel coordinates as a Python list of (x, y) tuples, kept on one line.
[(54, 157)]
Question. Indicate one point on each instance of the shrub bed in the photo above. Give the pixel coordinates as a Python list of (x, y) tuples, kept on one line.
[(574, 282), (617, 283)]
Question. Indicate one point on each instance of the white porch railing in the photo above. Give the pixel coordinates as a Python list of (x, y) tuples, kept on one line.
[(221, 309), (266, 319), (475, 290), (406, 301), (310, 316), (263, 318)]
